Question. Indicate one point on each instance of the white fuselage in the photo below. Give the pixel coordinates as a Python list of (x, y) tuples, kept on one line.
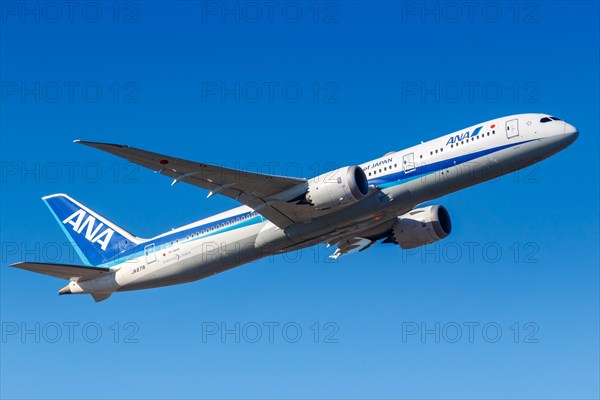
[(404, 179)]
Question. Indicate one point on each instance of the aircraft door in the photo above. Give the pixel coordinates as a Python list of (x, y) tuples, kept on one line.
[(408, 162), (149, 253), (512, 128)]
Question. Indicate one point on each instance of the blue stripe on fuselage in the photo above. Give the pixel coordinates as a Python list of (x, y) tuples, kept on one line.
[(191, 234), (400, 177)]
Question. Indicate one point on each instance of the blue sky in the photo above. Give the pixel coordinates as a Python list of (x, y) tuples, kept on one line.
[(506, 307)]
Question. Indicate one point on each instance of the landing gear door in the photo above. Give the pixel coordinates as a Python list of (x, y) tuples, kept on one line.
[(149, 253), (408, 162), (512, 128)]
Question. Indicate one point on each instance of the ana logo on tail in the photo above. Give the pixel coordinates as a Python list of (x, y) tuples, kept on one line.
[(93, 233)]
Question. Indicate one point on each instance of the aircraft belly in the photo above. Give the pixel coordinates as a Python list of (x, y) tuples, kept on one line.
[(370, 211), (192, 262), (479, 170)]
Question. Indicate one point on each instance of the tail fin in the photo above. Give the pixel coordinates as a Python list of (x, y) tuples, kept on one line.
[(96, 239)]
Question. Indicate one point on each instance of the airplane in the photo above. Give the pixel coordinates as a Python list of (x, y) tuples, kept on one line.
[(351, 208)]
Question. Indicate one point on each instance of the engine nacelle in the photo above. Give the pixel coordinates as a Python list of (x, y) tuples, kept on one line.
[(337, 188), (422, 226)]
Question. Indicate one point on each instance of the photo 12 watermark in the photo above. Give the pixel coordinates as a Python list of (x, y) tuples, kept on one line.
[(68, 172), (270, 92), (470, 12), (70, 92), (474, 252), (439, 92), (270, 12), (470, 332), (69, 12), (70, 332), (270, 332)]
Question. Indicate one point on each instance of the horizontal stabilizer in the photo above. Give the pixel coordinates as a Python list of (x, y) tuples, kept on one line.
[(64, 271)]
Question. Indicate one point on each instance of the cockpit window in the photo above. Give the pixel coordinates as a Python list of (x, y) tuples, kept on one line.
[(556, 119), (545, 119)]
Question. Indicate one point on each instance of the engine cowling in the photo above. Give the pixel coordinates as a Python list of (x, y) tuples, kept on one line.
[(336, 188), (422, 226)]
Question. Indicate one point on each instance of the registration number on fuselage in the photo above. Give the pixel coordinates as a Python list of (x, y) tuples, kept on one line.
[(138, 269)]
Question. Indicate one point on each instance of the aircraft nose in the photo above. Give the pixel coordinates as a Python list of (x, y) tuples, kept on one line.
[(571, 132)]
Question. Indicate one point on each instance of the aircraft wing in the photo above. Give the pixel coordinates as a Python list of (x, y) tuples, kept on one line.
[(270, 195), (64, 271)]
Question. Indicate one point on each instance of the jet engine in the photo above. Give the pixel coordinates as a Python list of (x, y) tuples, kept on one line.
[(340, 187), (421, 226)]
